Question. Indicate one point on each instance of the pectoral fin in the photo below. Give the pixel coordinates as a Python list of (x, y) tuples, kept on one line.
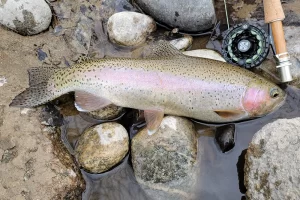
[(153, 119), (86, 102), (230, 113)]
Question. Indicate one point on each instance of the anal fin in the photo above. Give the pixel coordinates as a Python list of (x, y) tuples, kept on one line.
[(86, 102), (153, 119)]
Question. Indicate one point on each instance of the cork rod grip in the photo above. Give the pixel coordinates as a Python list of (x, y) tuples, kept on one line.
[(278, 37), (273, 11)]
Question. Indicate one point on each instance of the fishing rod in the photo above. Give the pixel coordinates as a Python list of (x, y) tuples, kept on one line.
[(274, 16)]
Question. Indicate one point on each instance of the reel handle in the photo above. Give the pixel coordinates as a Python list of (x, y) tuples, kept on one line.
[(278, 37), (274, 15), (273, 11)]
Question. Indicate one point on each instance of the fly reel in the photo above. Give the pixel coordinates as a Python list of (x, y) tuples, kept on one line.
[(245, 45)]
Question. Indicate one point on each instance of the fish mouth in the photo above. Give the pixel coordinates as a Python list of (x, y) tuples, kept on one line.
[(276, 105)]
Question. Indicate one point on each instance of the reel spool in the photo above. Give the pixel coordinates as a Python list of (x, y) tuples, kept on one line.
[(245, 45)]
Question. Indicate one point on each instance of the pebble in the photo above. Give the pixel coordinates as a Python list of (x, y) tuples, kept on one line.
[(130, 28), (225, 137), (182, 43), (25, 17), (163, 162), (272, 161), (2, 81), (101, 147)]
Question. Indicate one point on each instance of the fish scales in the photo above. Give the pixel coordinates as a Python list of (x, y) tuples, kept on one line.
[(199, 88)]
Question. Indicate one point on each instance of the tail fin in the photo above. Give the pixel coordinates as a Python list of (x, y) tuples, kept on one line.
[(39, 75), (37, 93)]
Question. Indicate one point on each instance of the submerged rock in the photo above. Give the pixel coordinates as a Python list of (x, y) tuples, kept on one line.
[(101, 147), (163, 162), (189, 15), (107, 113), (272, 161), (225, 137), (182, 43), (26, 17), (129, 28)]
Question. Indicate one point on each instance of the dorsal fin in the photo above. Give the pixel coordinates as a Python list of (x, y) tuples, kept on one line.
[(162, 49)]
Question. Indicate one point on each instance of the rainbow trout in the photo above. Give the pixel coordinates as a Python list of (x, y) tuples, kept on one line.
[(166, 82)]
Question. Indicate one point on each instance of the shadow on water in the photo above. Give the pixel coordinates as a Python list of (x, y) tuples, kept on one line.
[(220, 175)]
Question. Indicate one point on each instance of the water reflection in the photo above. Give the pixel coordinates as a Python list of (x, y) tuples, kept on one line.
[(220, 176)]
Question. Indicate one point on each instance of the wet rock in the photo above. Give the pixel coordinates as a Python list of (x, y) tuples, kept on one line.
[(190, 15), (163, 162), (109, 112), (51, 116), (272, 161), (101, 147), (129, 28), (225, 137), (25, 17), (182, 43)]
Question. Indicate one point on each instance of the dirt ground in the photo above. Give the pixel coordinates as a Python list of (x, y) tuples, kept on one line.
[(30, 168)]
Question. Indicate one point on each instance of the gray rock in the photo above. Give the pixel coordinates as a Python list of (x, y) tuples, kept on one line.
[(107, 113), (182, 43), (102, 146), (164, 162), (26, 17), (129, 28), (272, 161), (189, 15)]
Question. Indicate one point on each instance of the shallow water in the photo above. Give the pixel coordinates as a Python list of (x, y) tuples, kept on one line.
[(217, 177)]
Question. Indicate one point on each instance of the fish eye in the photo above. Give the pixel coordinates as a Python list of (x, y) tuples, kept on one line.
[(274, 92)]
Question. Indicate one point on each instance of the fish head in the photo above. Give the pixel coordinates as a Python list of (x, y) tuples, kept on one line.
[(262, 97)]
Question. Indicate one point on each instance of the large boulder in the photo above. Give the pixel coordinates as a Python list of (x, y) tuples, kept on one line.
[(101, 147), (189, 15), (272, 161), (26, 17), (164, 162)]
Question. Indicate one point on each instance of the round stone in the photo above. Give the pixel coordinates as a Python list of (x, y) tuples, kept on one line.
[(101, 147), (26, 17), (165, 159), (130, 28)]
